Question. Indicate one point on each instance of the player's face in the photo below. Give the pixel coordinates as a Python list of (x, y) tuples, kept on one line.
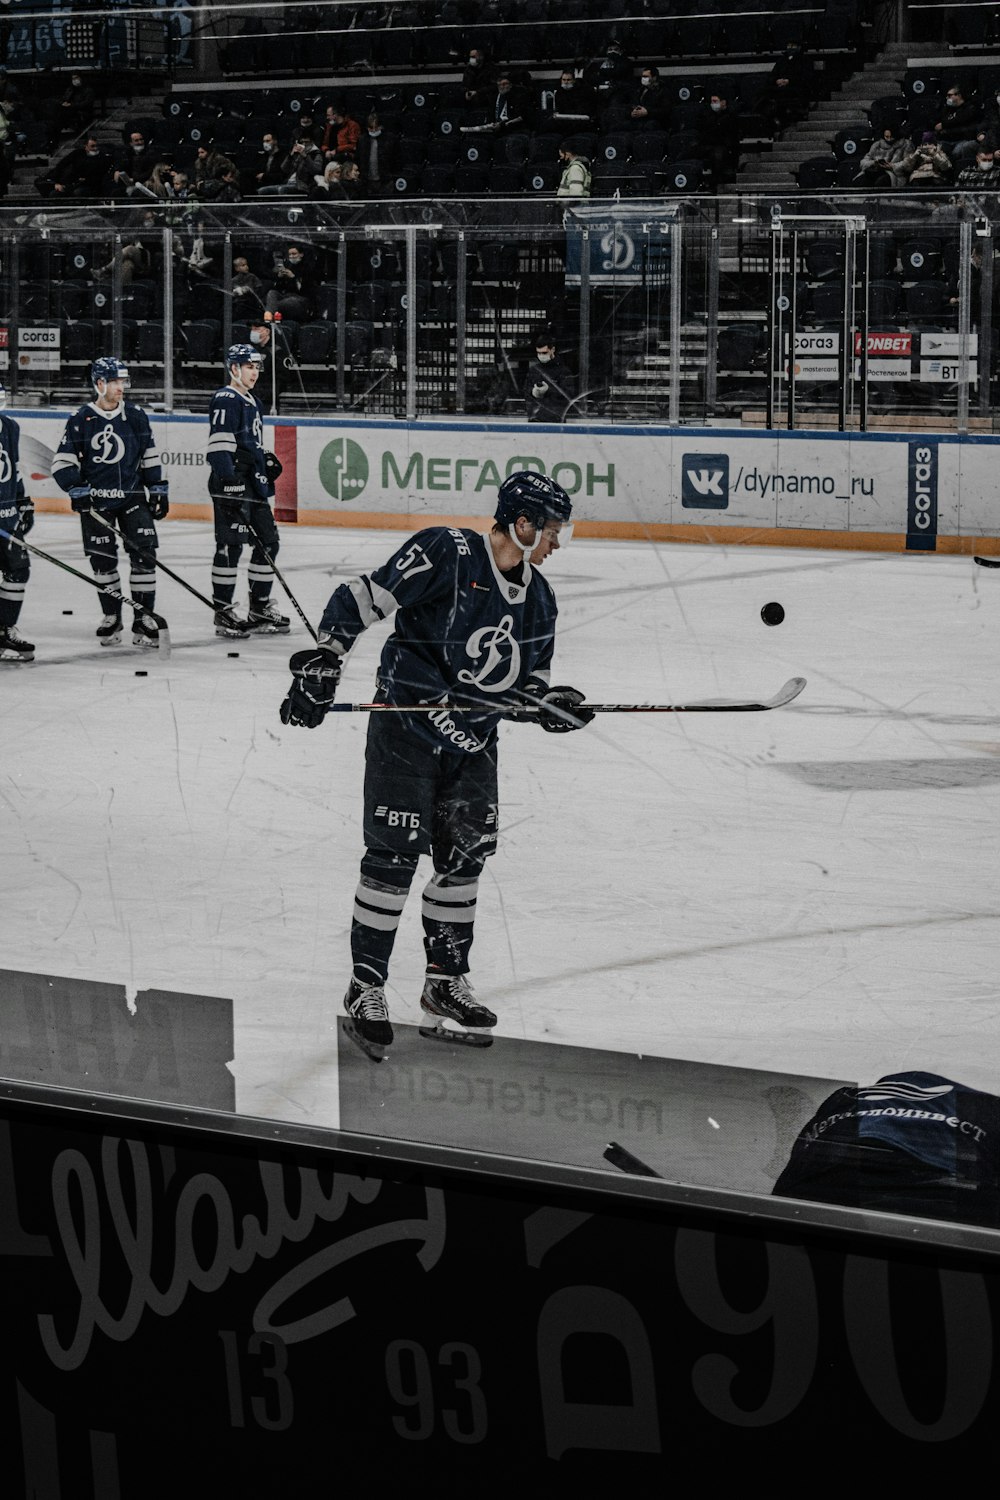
[(246, 375), (553, 535), (110, 392)]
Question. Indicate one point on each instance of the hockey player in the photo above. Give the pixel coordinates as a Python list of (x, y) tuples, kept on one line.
[(17, 516), (241, 484), (108, 464), (475, 626)]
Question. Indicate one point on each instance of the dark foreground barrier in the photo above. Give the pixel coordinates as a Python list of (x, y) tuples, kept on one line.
[(200, 1303)]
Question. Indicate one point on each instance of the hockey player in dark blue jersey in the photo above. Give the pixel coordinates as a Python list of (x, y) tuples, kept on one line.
[(108, 464), (241, 486), (17, 516), (474, 627)]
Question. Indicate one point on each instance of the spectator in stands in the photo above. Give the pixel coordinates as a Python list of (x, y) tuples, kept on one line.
[(135, 263), (653, 104), (877, 167), (134, 163), (719, 131), (608, 71), (160, 182), (247, 289), (310, 127), (77, 107), (983, 173), (926, 167), (269, 162), (549, 386), (84, 172), (787, 93), (351, 179), (327, 185), (192, 253), (959, 125), (210, 166), (299, 170), (377, 154), (294, 287), (479, 78), (574, 98), (341, 133), (575, 179), (229, 187), (511, 103)]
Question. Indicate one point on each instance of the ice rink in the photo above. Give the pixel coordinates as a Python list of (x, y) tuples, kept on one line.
[(811, 891)]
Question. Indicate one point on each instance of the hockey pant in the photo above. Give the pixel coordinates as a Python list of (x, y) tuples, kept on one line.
[(419, 800), (140, 540), (232, 534), (15, 567)]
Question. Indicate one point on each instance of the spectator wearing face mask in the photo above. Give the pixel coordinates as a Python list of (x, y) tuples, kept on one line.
[(248, 289), (958, 128), (328, 186), (268, 165), (134, 163), (573, 99), (377, 154), (77, 107), (877, 167), (609, 70), (478, 78), (983, 173), (508, 109), (341, 132), (84, 172), (719, 131), (294, 288), (549, 386), (298, 171), (787, 93), (653, 105)]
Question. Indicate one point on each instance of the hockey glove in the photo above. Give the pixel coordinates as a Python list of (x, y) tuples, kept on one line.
[(272, 466), (79, 497), (159, 501), (315, 675), (558, 712), (26, 512), (229, 497)]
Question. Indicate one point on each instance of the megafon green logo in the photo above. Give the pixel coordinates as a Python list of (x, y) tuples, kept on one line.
[(343, 469)]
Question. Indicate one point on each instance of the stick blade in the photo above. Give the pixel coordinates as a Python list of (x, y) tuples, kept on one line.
[(626, 1162), (163, 633), (987, 562)]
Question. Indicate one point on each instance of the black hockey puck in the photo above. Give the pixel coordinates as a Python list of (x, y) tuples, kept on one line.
[(772, 614), (232, 653), (142, 674), (67, 611)]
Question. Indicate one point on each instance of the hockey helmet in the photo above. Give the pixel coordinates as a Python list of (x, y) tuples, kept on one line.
[(108, 368), (243, 354), (535, 496)]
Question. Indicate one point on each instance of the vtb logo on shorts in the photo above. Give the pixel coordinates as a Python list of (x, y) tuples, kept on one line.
[(705, 481), (397, 817)]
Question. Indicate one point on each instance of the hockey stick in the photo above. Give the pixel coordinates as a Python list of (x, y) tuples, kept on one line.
[(140, 609), (987, 562), (791, 689), (626, 1162), (161, 565), (278, 575)]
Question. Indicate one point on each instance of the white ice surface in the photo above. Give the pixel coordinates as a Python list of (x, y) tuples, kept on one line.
[(678, 885)]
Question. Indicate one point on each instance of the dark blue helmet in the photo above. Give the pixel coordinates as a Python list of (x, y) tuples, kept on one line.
[(108, 368), (243, 354), (532, 495)]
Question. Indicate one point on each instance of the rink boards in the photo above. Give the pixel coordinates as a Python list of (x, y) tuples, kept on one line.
[(865, 491)]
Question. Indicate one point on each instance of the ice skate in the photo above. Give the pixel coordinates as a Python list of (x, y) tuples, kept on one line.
[(109, 632), (229, 624), (145, 633), (267, 619), (450, 997), (368, 1018), (13, 647)]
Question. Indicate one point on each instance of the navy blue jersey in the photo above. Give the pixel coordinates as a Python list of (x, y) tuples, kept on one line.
[(112, 451), (236, 440), (463, 631), (944, 1125), (11, 483)]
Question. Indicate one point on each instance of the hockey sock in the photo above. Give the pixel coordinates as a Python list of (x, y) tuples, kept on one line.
[(224, 574), (449, 912), (109, 603), (260, 579), (11, 599), (143, 586), (378, 906)]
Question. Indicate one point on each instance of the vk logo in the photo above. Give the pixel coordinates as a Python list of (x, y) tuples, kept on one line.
[(705, 480)]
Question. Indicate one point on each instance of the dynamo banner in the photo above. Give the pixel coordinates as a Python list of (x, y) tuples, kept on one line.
[(630, 246)]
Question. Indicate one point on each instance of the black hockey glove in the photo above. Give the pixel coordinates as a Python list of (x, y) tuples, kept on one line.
[(26, 513), (79, 497), (315, 675), (558, 708), (159, 500), (229, 495), (272, 466)]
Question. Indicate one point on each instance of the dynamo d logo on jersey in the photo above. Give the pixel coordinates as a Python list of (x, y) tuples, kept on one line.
[(705, 481), (343, 469)]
